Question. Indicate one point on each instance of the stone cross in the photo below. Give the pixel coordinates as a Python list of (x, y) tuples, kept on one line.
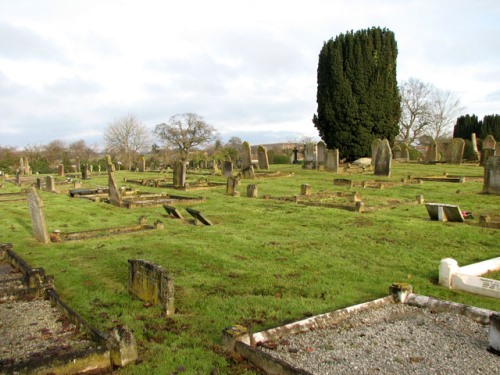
[(35, 205)]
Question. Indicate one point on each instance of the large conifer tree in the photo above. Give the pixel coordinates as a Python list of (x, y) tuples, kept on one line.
[(358, 97)]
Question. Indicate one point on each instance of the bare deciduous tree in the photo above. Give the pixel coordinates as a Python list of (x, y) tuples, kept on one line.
[(126, 138), (185, 132), (446, 109)]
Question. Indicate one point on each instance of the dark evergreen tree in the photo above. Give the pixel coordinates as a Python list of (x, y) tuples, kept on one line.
[(468, 124), (357, 95), (491, 126)]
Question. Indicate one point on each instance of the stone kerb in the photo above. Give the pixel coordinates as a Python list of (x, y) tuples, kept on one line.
[(151, 283), (35, 205), (467, 278), (491, 184)]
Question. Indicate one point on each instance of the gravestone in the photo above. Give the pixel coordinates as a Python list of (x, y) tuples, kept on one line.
[(115, 195), (152, 284), (263, 158), (246, 155), (375, 147), (475, 153), (497, 149), (27, 168), (108, 160), (397, 152), (444, 212), (248, 173), (77, 164), (491, 184), (172, 211), (488, 149), (252, 191), (21, 165), (84, 170), (49, 184), (228, 169), (232, 183), (321, 152), (18, 177), (432, 152), (457, 150), (141, 164), (60, 170), (295, 155), (38, 183), (198, 216), (383, 160), (310, 155), (179, 174), (35, 205), (332, 160), (305, 189)]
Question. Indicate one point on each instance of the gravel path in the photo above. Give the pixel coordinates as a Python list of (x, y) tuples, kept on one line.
[(395, 339)]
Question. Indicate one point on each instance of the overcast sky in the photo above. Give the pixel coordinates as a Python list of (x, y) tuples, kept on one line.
[(68, 68)]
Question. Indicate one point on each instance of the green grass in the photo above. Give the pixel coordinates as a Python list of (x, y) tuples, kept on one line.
[(262, 264)]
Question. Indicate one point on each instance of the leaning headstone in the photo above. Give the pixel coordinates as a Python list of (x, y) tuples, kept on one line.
[(198, 216), (179, 174), (35, 205), (27, 169), (375, 147), (115, 195), (49, 184), (108, 160), (151, 283), (172, 212), (18, 177), (383, 160), (60, 170), (141, 164), (457, 150), (321, 152), (232, 183), (332, 160), (252, 191), (262, 157), (475, 152), (228, 169), (491, 184), (444, 212), (432, 152), (246, 155)]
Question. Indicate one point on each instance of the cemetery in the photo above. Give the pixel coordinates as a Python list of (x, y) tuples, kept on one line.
[(306, 249)]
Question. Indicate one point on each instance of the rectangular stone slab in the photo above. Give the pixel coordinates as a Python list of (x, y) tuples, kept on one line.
[(444, 212), (198, 216)]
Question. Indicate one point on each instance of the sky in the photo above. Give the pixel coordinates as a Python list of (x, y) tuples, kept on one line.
[(70, 68)]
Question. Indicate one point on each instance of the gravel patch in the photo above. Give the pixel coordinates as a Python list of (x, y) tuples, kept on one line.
[(394, 339)]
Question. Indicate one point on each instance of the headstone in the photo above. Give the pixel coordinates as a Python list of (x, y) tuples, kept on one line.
[(179, 174), (457, 150), (359, 207), (475, 152), (342, 182), (248, 173), (383, 160), (77, 164), (122, 346), (252, 191), (91, 168), (172, 211), (488, 149), (228, 169), (60, 170), (397, 152), (375, 147), (295, 155), (115, 195), (420, 199), (332, 160), (151, 283), (246, 155), (263, 158), (141, 164), (321, 152), (27, 168), (35, 205), (198, 216), (491, 184), (444, 212), (432, 152), (18, 177), (38, 183), (21, 165), (310, 155), (84, 170), (231, 187), (305, 189), (108, 160), (49, 184)]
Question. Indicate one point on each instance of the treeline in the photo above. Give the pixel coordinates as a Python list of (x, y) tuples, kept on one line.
[(468, 124)]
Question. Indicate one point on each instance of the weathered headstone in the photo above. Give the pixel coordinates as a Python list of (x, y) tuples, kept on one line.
[(246, 155), (252, 191), (179, 174), (151, 283), (457, 150), (488, 149), (321, 152), (18, 177), (38, 183), (262, 157), (491, 184), (77, 164), (84, 170), (27, 168), (115, 195), (305, 189), (248, 173), (332, 160), (228, 169), (383, 160), (310, 155), (141, 164), (432, 152), (444, 212), (231, 187), (49, 184), (198, 216), (60, 170), (475, 153), (397, 152), (35, 205), (172, 211), (108, 160), (375, 147), (21, 165)]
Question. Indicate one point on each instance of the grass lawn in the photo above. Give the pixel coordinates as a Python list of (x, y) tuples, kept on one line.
[(263, 263)]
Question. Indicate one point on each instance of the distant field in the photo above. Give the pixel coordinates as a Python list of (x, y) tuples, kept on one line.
[(264, 262)]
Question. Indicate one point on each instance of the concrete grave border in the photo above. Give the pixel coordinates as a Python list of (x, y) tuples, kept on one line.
[(468, 278)]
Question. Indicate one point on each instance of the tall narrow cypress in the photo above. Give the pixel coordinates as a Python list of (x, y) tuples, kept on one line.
[(357, 94)]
